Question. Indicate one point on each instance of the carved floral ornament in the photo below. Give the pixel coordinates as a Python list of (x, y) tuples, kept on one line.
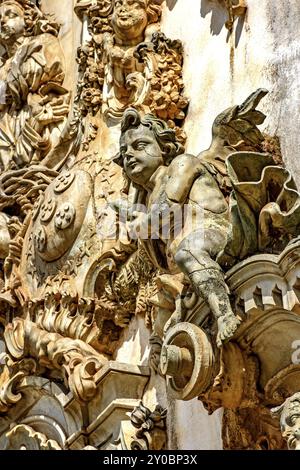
[(129, 62), (218, 298)]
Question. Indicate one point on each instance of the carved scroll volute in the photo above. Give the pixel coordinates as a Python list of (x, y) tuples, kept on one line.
[(77, 362), (187, 361), (104, 7), (81, 7), (24, 437)]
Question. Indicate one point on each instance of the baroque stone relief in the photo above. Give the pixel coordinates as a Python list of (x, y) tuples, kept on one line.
[(213, 291), (34, 102), (139, 65), (253, 203), (67, 292)]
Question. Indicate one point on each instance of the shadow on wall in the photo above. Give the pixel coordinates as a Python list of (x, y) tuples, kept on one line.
[(219, 16), (171, 4)]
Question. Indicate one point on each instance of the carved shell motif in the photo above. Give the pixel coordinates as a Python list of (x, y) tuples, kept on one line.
[(59, 215)]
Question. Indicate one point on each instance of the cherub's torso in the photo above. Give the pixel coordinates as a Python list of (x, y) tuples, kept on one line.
[(187, 181)]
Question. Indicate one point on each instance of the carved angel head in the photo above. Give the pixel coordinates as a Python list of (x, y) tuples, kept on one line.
[(24, 18), (145, 144), (131, 17), (12, 21), (289, 413)]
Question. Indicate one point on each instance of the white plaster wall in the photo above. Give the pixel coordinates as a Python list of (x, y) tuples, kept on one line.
[(134, 343), (263, 51), (195, 429)]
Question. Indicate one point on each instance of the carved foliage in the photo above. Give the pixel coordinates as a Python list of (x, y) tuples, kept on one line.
[(145, 72)]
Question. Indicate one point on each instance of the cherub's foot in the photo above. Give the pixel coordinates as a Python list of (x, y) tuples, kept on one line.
[(227, 326)]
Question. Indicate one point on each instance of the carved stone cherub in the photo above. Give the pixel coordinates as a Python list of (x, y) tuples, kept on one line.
[(127, 80), (34, 104), (153, 160), (289, 414)]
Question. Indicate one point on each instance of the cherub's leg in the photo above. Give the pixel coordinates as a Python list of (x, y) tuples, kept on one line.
[(208, 281)]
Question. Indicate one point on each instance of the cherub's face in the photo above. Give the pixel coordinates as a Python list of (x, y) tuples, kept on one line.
[(290, 422), (12, 23), (142, 155), (129, 18)]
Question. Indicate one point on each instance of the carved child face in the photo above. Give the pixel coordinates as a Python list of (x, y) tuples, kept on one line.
[(142, 155), (11, 21), (290, 424), (129, 18)]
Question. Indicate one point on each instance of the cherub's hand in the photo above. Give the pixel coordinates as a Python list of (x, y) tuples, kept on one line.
[(121, 206), (139, 226), (49, 111), (125, 209)]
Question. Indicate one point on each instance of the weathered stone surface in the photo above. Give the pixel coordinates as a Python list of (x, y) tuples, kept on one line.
[(115, 333)]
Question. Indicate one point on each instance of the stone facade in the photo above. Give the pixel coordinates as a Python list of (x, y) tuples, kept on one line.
[(149, 224)]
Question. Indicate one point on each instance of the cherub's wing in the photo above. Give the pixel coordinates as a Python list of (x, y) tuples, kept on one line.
[(235, 129)]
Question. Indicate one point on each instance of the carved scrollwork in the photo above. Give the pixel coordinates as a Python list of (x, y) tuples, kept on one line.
[(11, 375), (76, 361), (219, 297), (187, 361), (24, 437)]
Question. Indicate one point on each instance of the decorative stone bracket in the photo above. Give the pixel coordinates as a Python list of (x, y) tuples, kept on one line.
[(259, 366)]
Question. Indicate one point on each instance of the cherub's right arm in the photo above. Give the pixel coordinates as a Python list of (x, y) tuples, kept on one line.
[(182, 172)]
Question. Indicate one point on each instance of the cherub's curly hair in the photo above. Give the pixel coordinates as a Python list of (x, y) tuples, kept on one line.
[(166, 137), (153, 10), (36, 22)]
